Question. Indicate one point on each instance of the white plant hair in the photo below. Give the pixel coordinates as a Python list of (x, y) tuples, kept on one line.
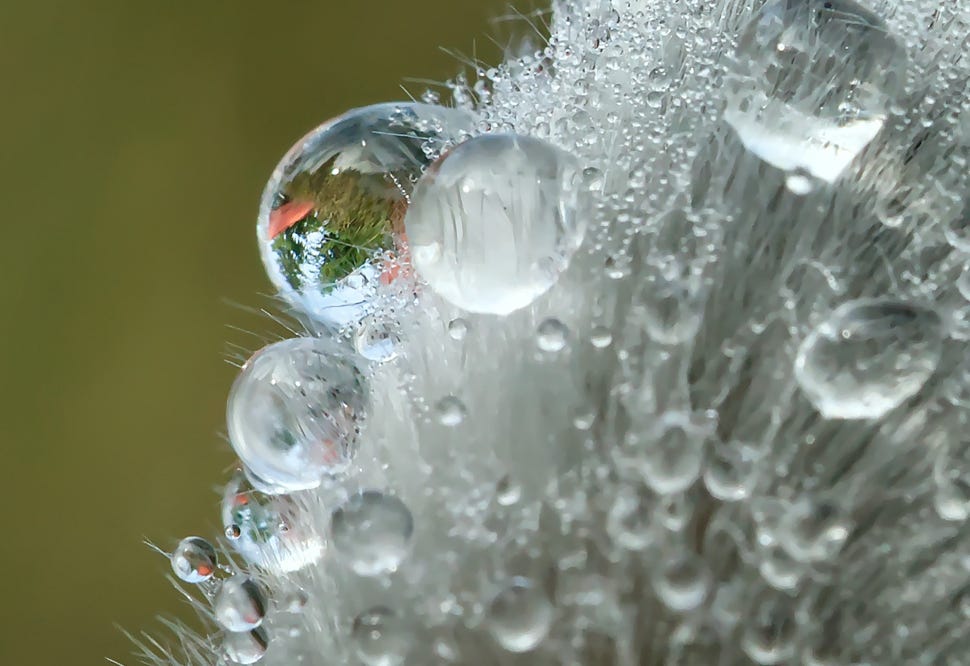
[(666, 485)]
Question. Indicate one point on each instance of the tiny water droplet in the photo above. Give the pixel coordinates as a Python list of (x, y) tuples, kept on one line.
[(507, 491), (377, 340), (240, 604), (519, 617), (194, 560), (372, 531), (380, 637), (868, 357), (601, 337), (451, 411), (246, 647), (551, 335), (682, 582), (458, 328)]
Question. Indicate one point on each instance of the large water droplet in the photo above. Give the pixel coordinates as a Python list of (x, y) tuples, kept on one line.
[(812, 83), (254, 523), (381, 637), (194, 560), (240, 604), (372, 531), (868, 357), (331, 218), (520, 615), (295, 411), (246, 647), (493, 223)]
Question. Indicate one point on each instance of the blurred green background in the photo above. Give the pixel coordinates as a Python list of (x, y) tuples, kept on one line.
[(136, 138)]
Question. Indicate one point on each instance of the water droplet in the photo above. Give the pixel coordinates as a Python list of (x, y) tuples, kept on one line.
[(451, 411), (507, 491), (493, 223), (377, 340), (682, 582), (380, 637), (458, 329), (551, 335), (868, 357), (295, 411), (194, 560), (295, 600), (240, 604), (331, 218), (520, 616), (671, 456), (629, 521), (800, 182), (601, 337), (729, 471), (372, 531), (245, 647), (252, 520), (813, 531), (770, 630), (812, 84)]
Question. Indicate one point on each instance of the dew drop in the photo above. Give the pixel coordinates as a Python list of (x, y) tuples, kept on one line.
[(458, 328), (493, 222), (377, 340), (331, 217), (551, 335), (246, 647), (868, 357), (963, 282), (729, 471), (769, 630), (813, 531), (519, 617), (372, 532), (507, 491), (811, 84), (240, 604), (380, 637), (601, 337), (295, 412), (682, 582), (451, 411), (671, 456), (194, 560)]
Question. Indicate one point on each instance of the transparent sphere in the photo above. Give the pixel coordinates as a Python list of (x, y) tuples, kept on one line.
[(194, 560), (240, 604), (295, 412), (331, 219), (372, 531), (377, 340), (269, 531), (493, 222), (380, 637), (682, 582), (552, 335), (811, 84), (246, 647), (520, 615), (868, 357)]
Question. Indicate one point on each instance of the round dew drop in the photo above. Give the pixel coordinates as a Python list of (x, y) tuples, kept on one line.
[(868, 357), (519, 617), (246, 647), (380, 637), (331, 218), (551, 336), (372, 532), (295, 412), (240, 604), (811, 85), (194, 560), (494, 222)]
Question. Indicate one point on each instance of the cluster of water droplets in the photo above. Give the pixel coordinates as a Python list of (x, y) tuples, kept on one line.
[(650, 351)]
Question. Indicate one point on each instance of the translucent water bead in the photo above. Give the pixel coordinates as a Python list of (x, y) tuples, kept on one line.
[(372, 531), (240, 604), (268, 531), (811, 84), (381, 637), (520, 615), (294, 412), (246, 647), (494, 222), (868, 357), (331, 219), (194, 560)]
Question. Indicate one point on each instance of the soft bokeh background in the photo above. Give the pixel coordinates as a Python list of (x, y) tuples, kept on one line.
[(135, 141)]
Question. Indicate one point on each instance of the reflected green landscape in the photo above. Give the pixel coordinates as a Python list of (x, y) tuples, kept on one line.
[(137, 139)]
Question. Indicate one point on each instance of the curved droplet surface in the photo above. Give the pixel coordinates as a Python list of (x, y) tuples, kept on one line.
[(811, 84), (868, 357), (372, 532), (246, 647), (520, 615), (240, 604), (331, 219), (380, 637), (194, 560), (295, 412), (494, 222)]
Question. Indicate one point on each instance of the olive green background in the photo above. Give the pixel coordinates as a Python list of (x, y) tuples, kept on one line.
[(135, 138)]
